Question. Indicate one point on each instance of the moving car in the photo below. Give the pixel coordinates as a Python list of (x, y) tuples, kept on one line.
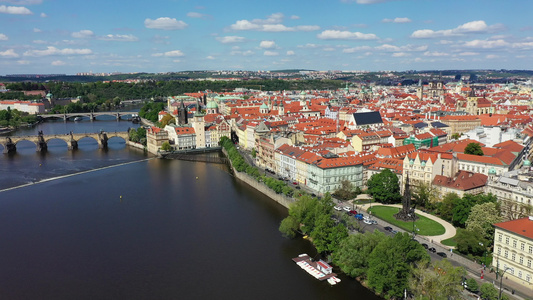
[(346, 208), (337, 208), (432, 250), (442, 254), (388, 228), (425, 245), (359, 216)]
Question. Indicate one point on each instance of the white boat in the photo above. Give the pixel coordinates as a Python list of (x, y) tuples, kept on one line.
[(78, 119)]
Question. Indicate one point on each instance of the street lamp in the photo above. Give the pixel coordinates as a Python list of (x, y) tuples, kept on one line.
[(501, 279)]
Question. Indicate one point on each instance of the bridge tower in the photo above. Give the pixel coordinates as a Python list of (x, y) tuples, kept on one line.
[(9, 146)]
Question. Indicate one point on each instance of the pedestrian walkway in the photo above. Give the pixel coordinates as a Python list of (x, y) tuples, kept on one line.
[(450, 230)]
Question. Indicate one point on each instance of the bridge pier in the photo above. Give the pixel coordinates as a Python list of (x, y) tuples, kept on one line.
[(102, 140), (42, 147), (91, 117), (9, 148), (73, 145), (118, 116)]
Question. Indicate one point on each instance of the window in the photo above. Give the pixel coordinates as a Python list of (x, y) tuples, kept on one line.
[(522, 246), (499, 237), (514, 243), (521, 260), (507, 240), (513, 256), (530, 249), (529, 263), (506, 254)]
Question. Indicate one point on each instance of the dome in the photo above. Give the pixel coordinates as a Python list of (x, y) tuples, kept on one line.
[(492, 171), (303, 93), (212, 105), (527, 163)]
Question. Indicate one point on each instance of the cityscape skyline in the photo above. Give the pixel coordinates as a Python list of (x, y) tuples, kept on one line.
[(45, 36)]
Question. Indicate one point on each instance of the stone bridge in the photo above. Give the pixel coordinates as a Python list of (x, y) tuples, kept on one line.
[(41, 141), (91, 115)]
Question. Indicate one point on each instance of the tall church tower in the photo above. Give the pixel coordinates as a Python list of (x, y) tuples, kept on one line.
[(420, 90), (182, 114)]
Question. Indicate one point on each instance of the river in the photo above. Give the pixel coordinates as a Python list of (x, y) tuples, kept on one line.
[(119, 224)]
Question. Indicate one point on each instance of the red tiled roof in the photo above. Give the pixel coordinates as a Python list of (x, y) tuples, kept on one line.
[(522, 227), (463, 180)]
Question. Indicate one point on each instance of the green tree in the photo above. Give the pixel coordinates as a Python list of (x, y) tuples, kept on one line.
[(463, 206), (354, 251), (166, 146), (425, 195), (474, 149), (254, 153), (289, 227), (488, 292), (469, 242), (481, 218), (441, 280), (384, 187), (346, 191), (390, 264), (445, 207), (471, 285)]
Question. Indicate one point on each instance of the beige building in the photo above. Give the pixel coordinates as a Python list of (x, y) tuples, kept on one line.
[(155, 137), (461, 124), (513, 250)]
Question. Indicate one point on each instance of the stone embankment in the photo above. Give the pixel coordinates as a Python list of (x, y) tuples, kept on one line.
[(261, 187)]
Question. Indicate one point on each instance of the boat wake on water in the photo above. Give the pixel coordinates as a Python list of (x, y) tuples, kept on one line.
[(74, 174)]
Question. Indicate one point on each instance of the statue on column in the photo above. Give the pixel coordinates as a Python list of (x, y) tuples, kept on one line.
[(407, 213)]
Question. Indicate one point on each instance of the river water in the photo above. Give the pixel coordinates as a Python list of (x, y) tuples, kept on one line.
[(120, 224)]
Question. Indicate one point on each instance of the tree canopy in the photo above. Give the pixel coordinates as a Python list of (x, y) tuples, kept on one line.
[(474, 149), (384, 187)]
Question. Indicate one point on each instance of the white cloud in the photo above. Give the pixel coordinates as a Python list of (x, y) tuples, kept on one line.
[(37, 30), (23, 62), (120, 38), (43, 15), (3, 37), (41, 42), (294, 17), (55, 51), (15, 10), (176, 60), (400, 54), (485, 44), (309, 45), (83, 34), (174, 53), (491, 56), (242, 53), (267, 44), (198, 15), (272, 23), (270, 53), (9, 53), (290, 52), (392, 48), (397, 20), (467, 28), (435, 53), (58, 63), (356, 49), (468, 53), (230, 39), (345, 35), (523, 45), (210, 57), (165, 23)]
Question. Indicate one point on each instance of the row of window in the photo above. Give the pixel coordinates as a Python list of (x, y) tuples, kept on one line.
[(515, 243), (513, 257)]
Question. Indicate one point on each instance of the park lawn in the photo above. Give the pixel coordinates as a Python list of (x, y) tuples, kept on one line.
[(426, 226), (451, 241)]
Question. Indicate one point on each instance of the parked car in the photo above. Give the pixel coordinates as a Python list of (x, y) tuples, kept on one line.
[(394, 231), (337, 208), (298, 187), (353, 212), (359, 216), (388, 228), (367, 221), (425, 245), (432, 250), (442, 254), (346, 208)]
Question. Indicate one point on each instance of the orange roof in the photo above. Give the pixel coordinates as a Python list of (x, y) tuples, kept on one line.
[(522, 227), (463, 180)]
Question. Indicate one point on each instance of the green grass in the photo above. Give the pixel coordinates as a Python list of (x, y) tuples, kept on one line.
[(451, 241), (426, 226)]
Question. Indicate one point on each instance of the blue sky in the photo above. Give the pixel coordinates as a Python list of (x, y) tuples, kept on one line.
[(71, 36)]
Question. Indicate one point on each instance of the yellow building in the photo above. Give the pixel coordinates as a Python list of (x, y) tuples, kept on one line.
[(513, 251)]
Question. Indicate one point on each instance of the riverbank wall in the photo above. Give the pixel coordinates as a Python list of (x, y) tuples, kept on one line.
[(135, 145), (259, 186)]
